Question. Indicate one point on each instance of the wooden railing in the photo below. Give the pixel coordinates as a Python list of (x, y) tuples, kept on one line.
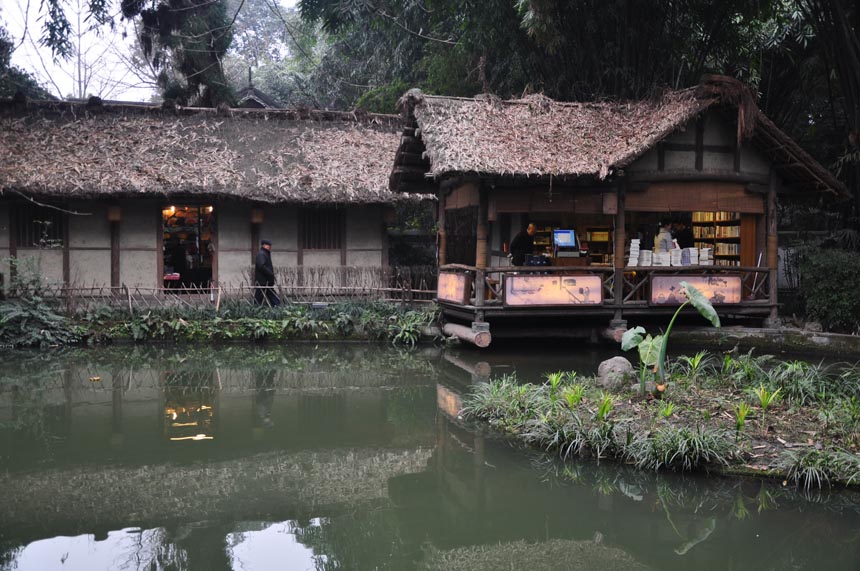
[(636, 282)]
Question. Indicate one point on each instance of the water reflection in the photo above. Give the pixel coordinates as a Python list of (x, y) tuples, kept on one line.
[(349, 457)]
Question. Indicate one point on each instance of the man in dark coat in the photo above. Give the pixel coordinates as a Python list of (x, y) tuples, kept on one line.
[(264, 275), (522, 245)]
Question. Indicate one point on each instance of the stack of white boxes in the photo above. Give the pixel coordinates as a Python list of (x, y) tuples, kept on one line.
[(633, 260), (661, 259), (693, 254), (645, 257)]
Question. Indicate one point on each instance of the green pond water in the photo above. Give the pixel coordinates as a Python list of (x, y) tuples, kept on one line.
[(349, 456)]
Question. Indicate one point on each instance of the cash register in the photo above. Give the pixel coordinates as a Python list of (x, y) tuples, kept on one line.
[(567, 250), (564, 244)]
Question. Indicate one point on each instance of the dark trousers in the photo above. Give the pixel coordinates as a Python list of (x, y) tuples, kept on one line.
[(266, 296)]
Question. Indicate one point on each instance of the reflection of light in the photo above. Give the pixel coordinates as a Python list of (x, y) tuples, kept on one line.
[(195, 437), (204, 407), (183, 424), (256, 545)]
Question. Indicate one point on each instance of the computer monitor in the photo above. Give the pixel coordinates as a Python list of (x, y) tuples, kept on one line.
[(564, 238)]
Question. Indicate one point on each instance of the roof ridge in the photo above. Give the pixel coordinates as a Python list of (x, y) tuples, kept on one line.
[(96, 106)]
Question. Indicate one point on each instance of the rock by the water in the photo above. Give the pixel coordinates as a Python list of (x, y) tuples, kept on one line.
[(615, 374)]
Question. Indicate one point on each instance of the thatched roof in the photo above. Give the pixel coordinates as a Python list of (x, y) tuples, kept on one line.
[(538, 137), (74, 150)]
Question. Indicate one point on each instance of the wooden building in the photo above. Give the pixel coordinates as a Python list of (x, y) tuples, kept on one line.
[(608, 172), (110, 194)]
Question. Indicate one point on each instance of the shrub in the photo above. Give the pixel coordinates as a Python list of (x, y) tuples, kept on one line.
[(827, 287), (29, 319)]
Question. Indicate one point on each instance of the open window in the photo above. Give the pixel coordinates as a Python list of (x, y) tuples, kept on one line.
[(189, 252)]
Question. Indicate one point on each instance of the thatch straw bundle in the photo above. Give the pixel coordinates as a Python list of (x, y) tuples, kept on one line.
[(66, 150)]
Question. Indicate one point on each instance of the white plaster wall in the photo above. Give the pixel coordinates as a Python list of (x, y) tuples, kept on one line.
[(680, 160), (364, 259), (364, 228), (280, 226), (320, 258), (138, 235), (233, 267), (48, 262), (753, 162), (89, 267), (234, 227), (139, 226), (281, 259), (718, 162), (92, 230), (718, 131), (647, 162), (138, 268)]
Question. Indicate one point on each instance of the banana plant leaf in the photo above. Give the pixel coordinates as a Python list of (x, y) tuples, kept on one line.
[(701, 303), (632, 338), (650, 350)]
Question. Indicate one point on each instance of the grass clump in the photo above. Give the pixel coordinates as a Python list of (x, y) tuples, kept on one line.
[(815, 468), (683, 448)]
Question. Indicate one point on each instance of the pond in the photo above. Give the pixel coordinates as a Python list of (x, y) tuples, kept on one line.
[(350, 456)]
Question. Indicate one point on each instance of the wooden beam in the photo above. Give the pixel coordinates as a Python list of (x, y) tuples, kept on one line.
[(772, 247), (692, 176)]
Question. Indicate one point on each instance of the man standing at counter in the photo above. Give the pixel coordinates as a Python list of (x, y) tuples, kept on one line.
[(522, 245)]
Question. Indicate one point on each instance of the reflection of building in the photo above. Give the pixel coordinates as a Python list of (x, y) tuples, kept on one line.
[(190, 406)]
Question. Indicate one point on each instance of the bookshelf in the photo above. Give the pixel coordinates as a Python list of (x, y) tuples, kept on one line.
[(721, 231), (599, 239), (543, 237)]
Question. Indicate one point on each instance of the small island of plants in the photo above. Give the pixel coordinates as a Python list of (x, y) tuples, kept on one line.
[(731, 413)]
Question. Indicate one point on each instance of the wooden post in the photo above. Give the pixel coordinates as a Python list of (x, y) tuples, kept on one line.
[(481, 252), (618, 321), (772, 249), (441, 234), (114, 254)]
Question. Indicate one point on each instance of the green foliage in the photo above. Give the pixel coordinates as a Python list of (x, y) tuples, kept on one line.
[(802, 382), (682, 448), (382, 99), (375, 321), (29, 318), (696, 367), (741, 412), (652, 351), (666, 409), (573, 395), (13, 78), (744, 370), (604, 407), (827, 287), (815, 468), (764, 396)]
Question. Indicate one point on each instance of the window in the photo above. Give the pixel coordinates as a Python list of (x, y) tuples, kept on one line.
[(322, 229), (38, 226)]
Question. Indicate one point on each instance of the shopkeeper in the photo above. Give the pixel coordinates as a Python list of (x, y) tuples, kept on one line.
[(523, 245)]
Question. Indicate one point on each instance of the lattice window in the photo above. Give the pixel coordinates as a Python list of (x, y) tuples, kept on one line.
[(38, 226), (322, 229)]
